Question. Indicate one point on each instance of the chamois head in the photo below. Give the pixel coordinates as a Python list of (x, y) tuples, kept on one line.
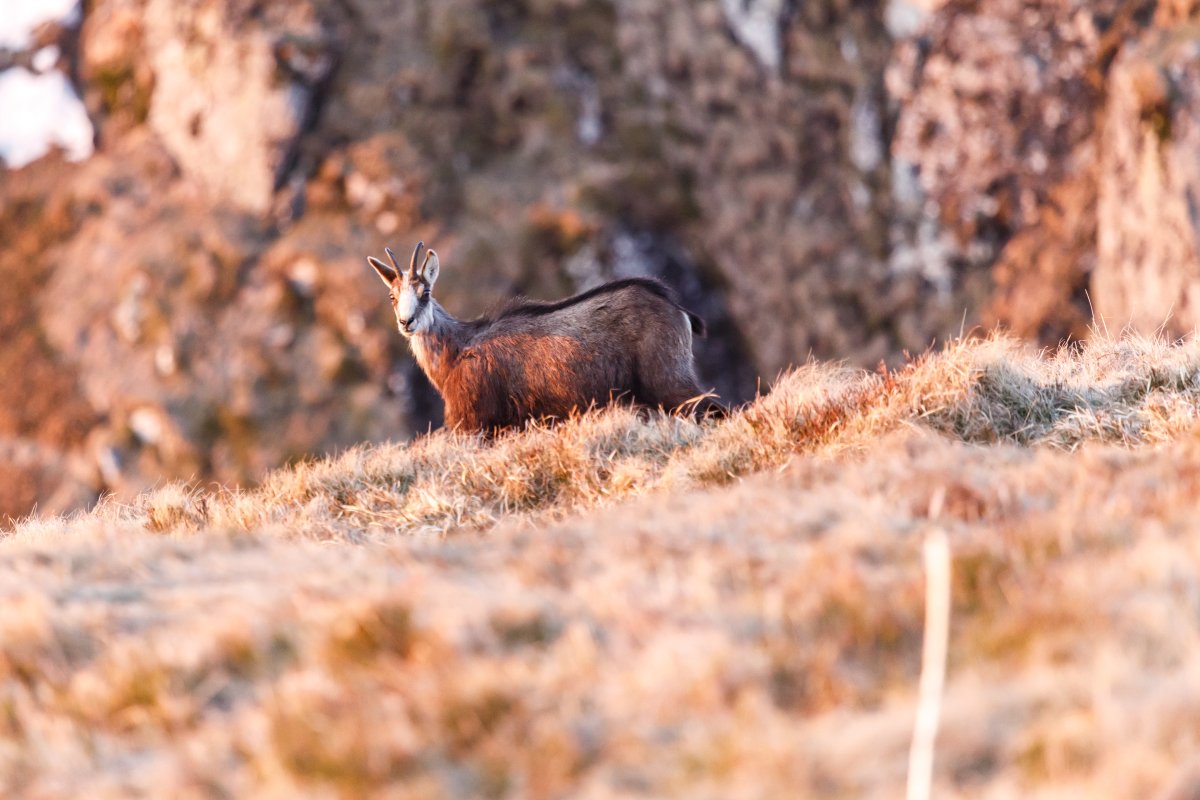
[(411, 289)]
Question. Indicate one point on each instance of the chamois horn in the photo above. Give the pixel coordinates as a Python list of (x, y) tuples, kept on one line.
[(392, 257), (415, 265)]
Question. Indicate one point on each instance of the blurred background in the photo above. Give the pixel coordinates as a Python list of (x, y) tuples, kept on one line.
[(189, 188)]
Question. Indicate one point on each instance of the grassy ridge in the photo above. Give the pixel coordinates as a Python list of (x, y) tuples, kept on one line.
[(1129, 392), (629, 604)]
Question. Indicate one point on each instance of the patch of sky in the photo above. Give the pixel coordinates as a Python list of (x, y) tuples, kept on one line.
[(39, 109), (38, 112), (20, 18)]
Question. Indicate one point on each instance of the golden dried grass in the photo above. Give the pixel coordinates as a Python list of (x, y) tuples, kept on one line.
[(619, 605), (1128, 391)]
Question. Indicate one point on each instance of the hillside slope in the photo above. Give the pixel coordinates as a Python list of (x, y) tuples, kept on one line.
[(638, 606)]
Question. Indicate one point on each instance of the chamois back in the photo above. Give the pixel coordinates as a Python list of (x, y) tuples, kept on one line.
[(524, 307)]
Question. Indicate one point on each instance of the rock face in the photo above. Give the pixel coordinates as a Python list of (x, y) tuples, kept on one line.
[(1000, 104), (779, 173), (43, 417), (1148, 273), (1002, 95), (234, 84), (829, 179), (210, 348)]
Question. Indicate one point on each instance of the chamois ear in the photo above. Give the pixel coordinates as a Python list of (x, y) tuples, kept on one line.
[(386, 273), (429, 270)]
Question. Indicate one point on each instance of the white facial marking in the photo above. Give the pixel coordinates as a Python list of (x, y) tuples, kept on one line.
[(408, 302)]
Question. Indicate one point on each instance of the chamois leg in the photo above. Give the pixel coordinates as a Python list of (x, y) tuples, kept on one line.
[(666, 372), (677, 392), (708, 407)]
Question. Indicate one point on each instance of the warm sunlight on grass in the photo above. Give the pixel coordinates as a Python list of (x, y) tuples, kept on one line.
[(1131, 391), (632, 604)]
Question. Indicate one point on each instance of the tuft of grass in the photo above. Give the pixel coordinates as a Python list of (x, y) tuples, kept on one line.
[(328, 732), (384, 628)]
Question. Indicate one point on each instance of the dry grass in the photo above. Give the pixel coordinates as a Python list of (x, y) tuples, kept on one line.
[(627, 605), (1129, 392)]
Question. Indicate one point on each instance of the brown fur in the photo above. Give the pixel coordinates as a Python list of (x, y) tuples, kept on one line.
[(531, 308), (626, 341)]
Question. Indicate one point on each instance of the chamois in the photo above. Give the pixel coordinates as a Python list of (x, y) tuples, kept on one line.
[(629, 340)]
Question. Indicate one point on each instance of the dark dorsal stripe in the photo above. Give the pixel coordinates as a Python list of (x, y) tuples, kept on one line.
[(522, 307)]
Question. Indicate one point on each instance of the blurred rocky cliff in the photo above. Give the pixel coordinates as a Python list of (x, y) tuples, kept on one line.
[(826, 178)]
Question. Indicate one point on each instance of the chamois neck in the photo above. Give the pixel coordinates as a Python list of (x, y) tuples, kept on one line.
[(438, 347)]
